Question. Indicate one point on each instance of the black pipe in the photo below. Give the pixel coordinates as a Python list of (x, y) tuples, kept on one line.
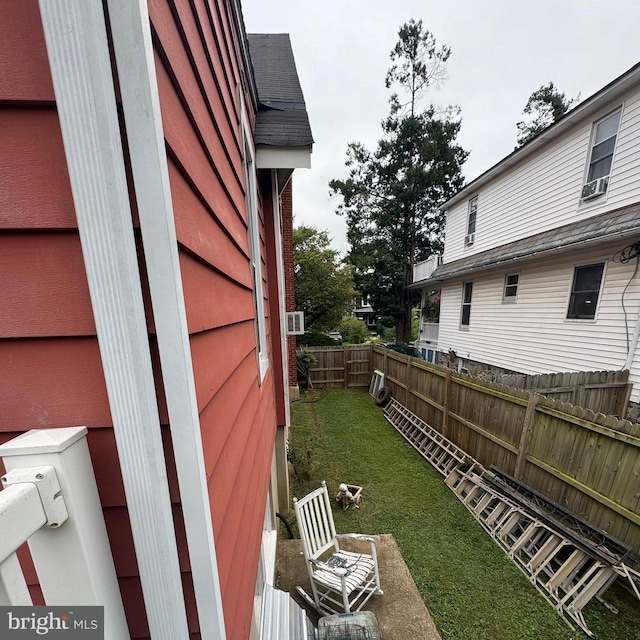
[(286, 524)]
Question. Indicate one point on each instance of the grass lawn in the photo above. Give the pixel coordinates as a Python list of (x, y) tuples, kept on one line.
[(472, 590)]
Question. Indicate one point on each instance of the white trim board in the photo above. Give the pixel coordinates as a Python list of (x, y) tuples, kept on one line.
[(78, 53), (141, 105)]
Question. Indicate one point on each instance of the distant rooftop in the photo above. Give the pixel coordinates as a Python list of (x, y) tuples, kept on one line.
[(282, 119)]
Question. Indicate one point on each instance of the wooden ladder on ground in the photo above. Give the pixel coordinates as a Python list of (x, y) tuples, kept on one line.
[(565, 569)]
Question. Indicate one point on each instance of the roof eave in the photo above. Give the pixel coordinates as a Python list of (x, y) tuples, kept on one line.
[(581, 244), (270, 157)]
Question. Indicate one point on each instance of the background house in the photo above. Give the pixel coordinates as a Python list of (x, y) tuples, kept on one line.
[(142, 281), (540, 266)]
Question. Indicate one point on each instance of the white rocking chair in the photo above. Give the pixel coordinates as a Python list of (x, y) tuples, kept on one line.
[(341, 581)]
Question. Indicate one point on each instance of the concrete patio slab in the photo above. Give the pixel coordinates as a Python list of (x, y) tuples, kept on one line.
[(400, 612)]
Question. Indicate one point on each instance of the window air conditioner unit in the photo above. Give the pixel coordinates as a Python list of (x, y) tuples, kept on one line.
[(295, 323), (470, 238), (594, 188)]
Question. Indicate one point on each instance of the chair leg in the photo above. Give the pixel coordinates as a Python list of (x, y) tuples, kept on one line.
[(374, 555)]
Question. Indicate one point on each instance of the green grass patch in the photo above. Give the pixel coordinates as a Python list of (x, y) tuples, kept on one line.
[(472, 590)]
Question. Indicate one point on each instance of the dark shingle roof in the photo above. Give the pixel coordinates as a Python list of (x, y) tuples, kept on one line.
[(282, 119), (607, 226)]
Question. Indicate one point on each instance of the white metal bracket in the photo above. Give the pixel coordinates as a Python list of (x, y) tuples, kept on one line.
[(46, 482)]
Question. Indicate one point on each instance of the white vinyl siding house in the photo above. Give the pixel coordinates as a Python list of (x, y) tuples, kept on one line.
[(548, 282), (544, 188), (534, 335)]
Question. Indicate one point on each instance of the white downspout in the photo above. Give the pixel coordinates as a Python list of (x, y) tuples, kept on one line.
[(633, 345), (133, 48), (78, 53)]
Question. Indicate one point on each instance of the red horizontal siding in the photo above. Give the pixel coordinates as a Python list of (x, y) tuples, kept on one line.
[(216, 354), (224, 69), (248, 508), (200, 232), (52, 383), (44, 286), (182, 46), (211, 299), (24, 67), (35, 192), (189, 154), (219, 416)]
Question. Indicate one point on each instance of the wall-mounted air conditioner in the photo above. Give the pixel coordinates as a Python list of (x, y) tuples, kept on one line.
[(469, 238), (594, 188), (295, 323)]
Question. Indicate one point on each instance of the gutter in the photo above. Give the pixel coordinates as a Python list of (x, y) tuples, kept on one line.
[(536, 254), (78, 52), (141, 105)]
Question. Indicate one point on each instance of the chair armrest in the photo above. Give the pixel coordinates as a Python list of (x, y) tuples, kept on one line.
[(359, 536)]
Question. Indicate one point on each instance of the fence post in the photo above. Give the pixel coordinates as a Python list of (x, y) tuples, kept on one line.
[(408, 385), (74, 561), (445, 403), (626, 397), (525, 436), (345, 362)]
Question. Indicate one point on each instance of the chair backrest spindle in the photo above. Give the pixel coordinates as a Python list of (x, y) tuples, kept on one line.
[(315, 522)]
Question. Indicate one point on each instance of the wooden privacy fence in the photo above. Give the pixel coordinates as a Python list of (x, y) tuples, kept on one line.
[(587, 462), (605, 392), (342, 367)]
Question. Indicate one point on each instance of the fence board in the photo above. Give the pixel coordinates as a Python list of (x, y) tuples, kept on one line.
[(342, 367), (579, 458)]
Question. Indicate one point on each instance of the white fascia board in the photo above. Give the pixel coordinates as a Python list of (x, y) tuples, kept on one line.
[(78, 52), (283, 157), (141, 106)]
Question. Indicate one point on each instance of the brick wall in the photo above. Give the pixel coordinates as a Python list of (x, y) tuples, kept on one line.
[(290, 296)]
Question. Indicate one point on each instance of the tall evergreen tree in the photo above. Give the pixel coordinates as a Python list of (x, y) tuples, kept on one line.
[(392, 196), (545, 106)]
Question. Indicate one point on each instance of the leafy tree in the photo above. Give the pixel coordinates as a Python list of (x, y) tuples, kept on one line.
[(323, 286), (353, 331), (545, 106), (392, 196)]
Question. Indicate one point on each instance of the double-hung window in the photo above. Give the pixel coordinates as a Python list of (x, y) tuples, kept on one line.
[(251, 200), (601, 156), (585, 291), (467, 294), (472, 215), (510, 292)]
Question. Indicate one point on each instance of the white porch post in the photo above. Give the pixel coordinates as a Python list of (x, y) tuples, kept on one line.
[(78, 52), (73, 560)]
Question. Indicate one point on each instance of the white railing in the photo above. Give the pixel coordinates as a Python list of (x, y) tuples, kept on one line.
[(50, 500), (422, 270)]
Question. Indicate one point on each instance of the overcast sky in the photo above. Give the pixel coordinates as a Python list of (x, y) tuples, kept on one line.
[(503, 50)]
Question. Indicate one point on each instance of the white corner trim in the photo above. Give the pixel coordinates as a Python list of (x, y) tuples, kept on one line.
[(138, 86), (78, 54), (283, 157)]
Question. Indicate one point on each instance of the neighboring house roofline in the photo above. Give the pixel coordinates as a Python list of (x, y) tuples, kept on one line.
[(621, 223), (586, 109)]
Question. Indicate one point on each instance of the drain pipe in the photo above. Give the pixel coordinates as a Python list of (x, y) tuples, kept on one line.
[(633, 344)]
